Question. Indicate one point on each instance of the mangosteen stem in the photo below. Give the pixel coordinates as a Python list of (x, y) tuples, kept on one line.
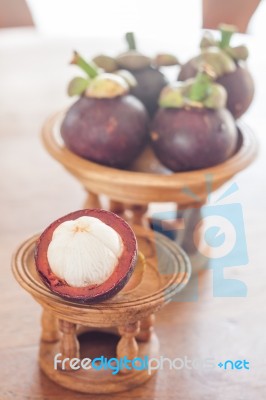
[(90, 69), (201, 87), (227, 32), (130, 38)]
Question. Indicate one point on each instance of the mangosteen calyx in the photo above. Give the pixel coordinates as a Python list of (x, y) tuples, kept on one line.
[(90, 69), (107, 86), (220, 61), (165, 60), (129, 60), (236, 53), (98, 84), (198, 92), (146, 80), (107, 63), (134, 60)]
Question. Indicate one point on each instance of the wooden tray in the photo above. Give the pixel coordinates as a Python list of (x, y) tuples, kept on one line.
[(167, 271), (132, 187), (129, 313)]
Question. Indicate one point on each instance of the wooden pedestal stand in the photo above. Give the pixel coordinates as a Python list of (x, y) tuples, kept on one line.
[(131, 192), (130, 313)]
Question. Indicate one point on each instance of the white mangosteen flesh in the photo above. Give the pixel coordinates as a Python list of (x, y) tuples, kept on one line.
[(84, 251)]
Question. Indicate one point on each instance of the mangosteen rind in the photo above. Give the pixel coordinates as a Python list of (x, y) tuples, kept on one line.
[(150, 82), (191, 139), (110, 132), (92, 293)]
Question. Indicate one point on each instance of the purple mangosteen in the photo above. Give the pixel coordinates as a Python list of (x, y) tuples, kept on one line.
[(106, 125), (149, 79), (192, 129), (229, 64)]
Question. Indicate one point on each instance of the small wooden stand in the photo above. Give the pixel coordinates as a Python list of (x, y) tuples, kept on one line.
[(130, 314), (130, 192)]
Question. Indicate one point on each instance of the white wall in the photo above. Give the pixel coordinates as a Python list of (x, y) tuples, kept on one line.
[(113, 17)]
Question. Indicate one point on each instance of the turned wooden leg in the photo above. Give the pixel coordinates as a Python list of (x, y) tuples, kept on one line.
[(190, 216), (127, 345), (138, 216), (50, 332), (92, 201), (69, 345), (117, 207), (146, 328), (189, 238)]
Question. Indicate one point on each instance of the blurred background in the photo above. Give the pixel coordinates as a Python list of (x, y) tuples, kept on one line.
[(148, 18)]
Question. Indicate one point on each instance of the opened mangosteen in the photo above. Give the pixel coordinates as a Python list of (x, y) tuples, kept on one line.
[(192, 129), (86, 256), (106, 125), (230, 66), (150, 80)]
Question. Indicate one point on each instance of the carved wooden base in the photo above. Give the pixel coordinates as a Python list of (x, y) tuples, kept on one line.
[(99, 381), (130, 314)]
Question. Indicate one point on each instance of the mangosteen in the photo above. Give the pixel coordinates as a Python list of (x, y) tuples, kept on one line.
[(192, 129), (106, 125), (86, 256), (150, 80), (230, 66)]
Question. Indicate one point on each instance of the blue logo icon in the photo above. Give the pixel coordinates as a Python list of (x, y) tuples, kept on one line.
[(215, 234)]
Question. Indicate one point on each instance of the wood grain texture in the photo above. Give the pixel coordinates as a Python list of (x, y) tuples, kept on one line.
[(36, 190)]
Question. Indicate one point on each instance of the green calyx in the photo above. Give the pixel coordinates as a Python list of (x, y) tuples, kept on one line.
[(200, 88), (236, 53), (132, 59), (226, 32), (173, 96), (108, 64), (96, 84), (199, 92), (131, 41), (165, 60), (77, 86), (220, 61), (107, 86), (90, 68)]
